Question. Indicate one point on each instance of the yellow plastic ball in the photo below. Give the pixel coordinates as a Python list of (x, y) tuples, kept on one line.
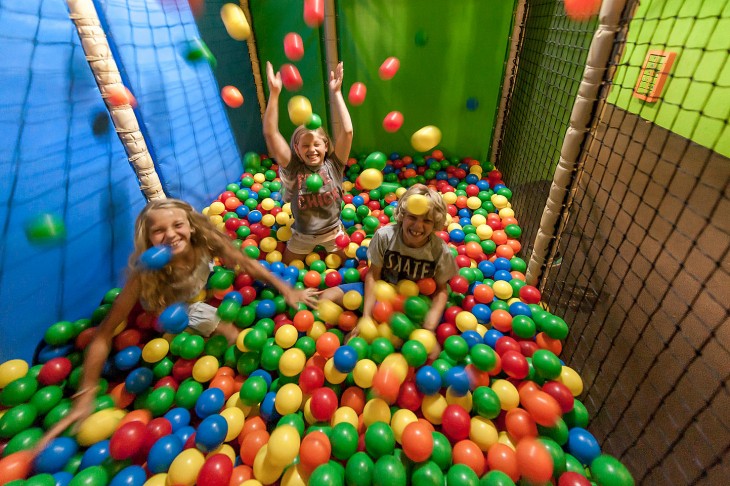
[(400, 191), (400, 421), (331, 373), (333, 260), (478, 220), (484, 232), (425, 337), (283, 444), (408, 288), (311, 258), (259, 177), (352, 300), (224, 449), (418, 204), (351, 250), (263, 469), (384, 292), (158, 480), (288, 399), (235, 418), (267, 244), (504, 438), (268, 220), (286, 336), (13, 369), (426, 138), (286, 208), (499, 201), (282, 218), (371, 179), (307, 410), (154, 350), (502, 289), (300, 109), (328, 311), (274, 256), (476, 169), (385, 331), (268, 204), (465, 321), (449, 197), (317, 329), (481, 329), (216, 208), (506, 213), (99, 426), (284, 234), (248, 482), (464, 401), (364, 373), (345, 414), (368, 329), (347, 186), (509, 398), (570, 378), (205, 369), (239, 340), (473, 203), (216, 219), (483, 433), (396, 363), (433, 407), (292, 362), (376, 410)]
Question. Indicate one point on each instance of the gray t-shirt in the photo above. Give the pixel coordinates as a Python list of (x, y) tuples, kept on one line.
[(401, 262), (314, 213)]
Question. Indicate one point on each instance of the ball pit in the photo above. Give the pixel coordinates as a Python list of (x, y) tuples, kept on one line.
[(290, 401)]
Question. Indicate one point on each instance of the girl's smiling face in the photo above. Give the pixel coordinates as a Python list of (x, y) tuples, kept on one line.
[(417, 229), (312, 149), (170, 227)]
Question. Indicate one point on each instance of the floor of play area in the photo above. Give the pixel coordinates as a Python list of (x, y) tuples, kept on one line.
[(293, 403)]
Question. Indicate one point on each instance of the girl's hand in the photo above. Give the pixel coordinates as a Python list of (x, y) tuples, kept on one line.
[(336, 77), (308, 296), (82, 407), (274, 80)]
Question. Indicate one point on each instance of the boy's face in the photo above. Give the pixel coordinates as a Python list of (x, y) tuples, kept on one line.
[(312, 149), (417, 229)]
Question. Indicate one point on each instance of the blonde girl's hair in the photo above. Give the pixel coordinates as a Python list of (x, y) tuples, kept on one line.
[(437, 207), (159, 289), (319, 132)]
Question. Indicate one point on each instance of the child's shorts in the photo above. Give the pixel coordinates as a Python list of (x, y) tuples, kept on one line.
[(203, 318), (304, 244)]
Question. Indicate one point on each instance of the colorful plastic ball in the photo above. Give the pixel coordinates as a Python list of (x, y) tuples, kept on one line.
[(129, 476), (156, 257), (352, 300), (356, 95), (55, 456), (185, 467), (455, 422), (314, 183), (323, 403), (231, 96), (426, 138), (534, 460), (370, 179), (209, 402), (300, 109), (345, 359), (127, 440), (174, 319), (582, 445), (45, 229), (393, 121), (139, 380)]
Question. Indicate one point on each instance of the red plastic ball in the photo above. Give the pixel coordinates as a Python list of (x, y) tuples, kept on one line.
[(55, 371), (323, 403), (459, 284), (455, 422)]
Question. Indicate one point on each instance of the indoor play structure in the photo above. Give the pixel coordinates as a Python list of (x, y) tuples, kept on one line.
[(581, 148)]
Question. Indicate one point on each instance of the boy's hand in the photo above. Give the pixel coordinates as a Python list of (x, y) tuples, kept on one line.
[(336, 78), (274, 80), (82, 408)]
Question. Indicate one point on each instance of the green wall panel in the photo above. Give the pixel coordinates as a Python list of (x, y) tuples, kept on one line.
[(272, 20), (696, 99), (463, 57)]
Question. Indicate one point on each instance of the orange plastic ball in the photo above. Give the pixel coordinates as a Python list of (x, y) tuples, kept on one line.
[(303, 320), (327, 344), (312, 279), (347, 321), (427, 286), (468, 453), (502, 458)]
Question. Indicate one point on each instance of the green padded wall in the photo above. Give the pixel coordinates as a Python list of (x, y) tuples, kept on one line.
[(463, 57)]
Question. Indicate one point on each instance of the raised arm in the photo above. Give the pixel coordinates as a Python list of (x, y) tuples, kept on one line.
[(343, 137), (276, 144)]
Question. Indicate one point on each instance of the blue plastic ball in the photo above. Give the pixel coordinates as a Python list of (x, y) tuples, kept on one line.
[(49, 352), (255, 216), (345, 359), (242, 211), (95, 454), (184, 433), (211, 432), (127, 358), (502, 275), (472, 179), (129, 476), (361, 253), (520, 309), (64, 478), (174, 319), (265, 309), (165, 450), (502, 263), (583, 445), (482, 312), (156, 257), (209, 402), (457, 379), (358, 201), (471, 337), (456, 235), (267, 409), (178, 417), (139, 380), (263, 374), (235, 296), (491, 337), (55, 456), (487, 268), (428, 380), (483, 185)]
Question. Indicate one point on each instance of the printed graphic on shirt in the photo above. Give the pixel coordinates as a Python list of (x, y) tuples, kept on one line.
[(401, 267)]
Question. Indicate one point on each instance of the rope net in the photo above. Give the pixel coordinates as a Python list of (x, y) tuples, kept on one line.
[(640, 265)]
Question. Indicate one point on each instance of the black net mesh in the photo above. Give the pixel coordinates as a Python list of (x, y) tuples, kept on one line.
[(645, 247)]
